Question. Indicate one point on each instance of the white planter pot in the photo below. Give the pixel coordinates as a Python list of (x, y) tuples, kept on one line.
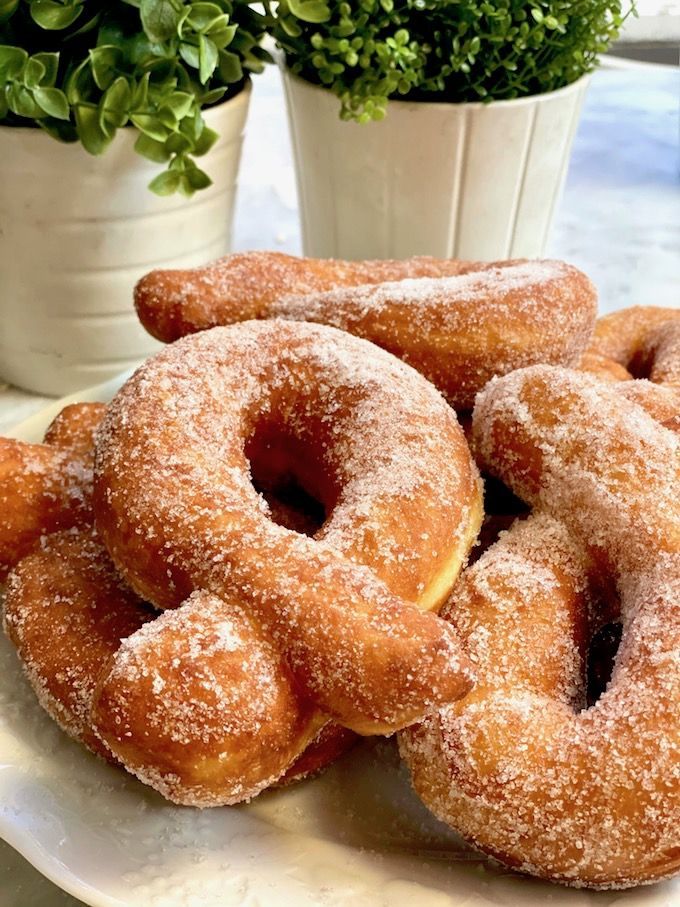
[(471, 181), (76, 233)]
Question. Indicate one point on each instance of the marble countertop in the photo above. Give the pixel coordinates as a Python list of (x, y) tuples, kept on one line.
[(620, 214)]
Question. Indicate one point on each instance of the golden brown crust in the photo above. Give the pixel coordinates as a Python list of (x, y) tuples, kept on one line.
[(177, 510), (42, 489), (244, 285), (458, 323), (66, 611), (590, 797), (643, 340), (75, 427)]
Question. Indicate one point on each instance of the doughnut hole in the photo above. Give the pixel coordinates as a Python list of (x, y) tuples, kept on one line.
[(602, 651), (287, 473)]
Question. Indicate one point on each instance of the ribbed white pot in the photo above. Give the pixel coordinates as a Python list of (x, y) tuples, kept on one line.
[(471, 181), (76, 233)]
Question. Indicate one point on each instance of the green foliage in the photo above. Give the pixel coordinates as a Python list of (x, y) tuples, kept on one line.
[(367, 51), (81, 69)]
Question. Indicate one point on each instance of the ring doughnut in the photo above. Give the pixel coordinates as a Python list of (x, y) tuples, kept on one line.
[(520, 767), (459, 324), (402, 506)]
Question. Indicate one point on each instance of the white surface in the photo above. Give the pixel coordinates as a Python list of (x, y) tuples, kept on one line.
[(71, 248), (471, 181), (357, 836)]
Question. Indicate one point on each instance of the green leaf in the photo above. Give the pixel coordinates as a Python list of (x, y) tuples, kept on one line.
[(310, 10), (20, 101), (12, 61), (114, 106), (189, 53), (54, 16), (117, 97), (178, 143), (103, 63), (197, 178), (207, 58), (92, 136), (150, 125), (33, 73), (53, 102), (140, 93), (206, 140), (224, 36), (202, 15), (165, 183), (50, 62), (180, 103), (212, 96), (151, 149), (230, 67), (160, 18), (7, 9)]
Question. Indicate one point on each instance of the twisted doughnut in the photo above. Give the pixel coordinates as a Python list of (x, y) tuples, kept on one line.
[(641, 342), (214, 712), (590, 797), (638, 342), (46, 487), (458, 323), (245, 285), (66, 611)]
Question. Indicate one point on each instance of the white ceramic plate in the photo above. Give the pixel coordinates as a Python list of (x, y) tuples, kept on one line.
[(355, 837)]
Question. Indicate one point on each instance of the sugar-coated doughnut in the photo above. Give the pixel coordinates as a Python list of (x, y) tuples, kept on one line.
[(370, 438), (66, 611), (521, 767), (457, 323), (640, 342), (245, 285), (46, 487)]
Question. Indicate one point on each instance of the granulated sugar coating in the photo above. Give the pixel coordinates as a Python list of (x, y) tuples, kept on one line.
[(366, 436), (521, 767), (46, 487), (458, 323), (461, 331), (244, 285), (66, 611), (642, 340)]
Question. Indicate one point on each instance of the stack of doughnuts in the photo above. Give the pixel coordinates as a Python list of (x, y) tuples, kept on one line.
[(257, 551)]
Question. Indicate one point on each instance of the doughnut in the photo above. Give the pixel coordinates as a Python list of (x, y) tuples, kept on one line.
[(521, 767), (244, 286), (276, 631), (74, 428), (640, 342), (368, 437), (459, 324), (46, 487), (66, 611)]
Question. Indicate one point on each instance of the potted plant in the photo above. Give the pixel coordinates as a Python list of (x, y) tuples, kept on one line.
[(472, 107), (148, 100)]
